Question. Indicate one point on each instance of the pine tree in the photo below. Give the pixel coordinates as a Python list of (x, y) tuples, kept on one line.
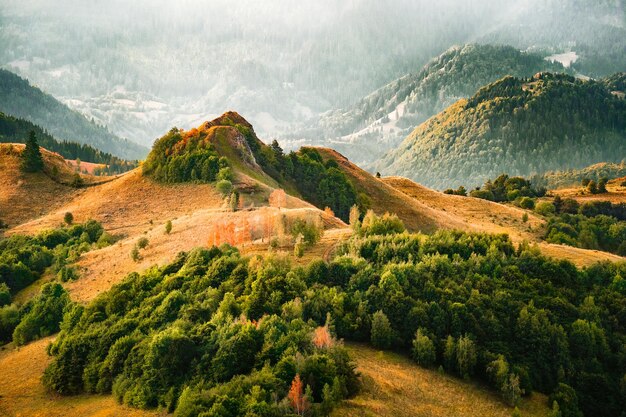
[(32, 160)]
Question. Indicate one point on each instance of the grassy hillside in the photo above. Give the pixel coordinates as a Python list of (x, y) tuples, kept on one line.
[(521, 126), (20, 99), (27, 196), (393, 386), (136, 206), (379, 121)]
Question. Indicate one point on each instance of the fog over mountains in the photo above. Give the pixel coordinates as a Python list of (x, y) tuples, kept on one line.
[(140, 69)]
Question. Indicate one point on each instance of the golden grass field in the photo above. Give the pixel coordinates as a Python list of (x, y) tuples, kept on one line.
[(393, 386), (23, 395)]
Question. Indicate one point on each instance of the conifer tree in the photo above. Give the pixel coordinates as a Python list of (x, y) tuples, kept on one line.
[(32, 160)]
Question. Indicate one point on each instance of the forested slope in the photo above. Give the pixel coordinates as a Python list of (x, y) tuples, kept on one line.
[(20, 99), (519, 126)]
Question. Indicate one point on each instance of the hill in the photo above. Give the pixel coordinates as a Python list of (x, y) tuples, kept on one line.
[(27, 196), (521, 126), (379, 121), (20, 99), (573, 177), (14, 130)]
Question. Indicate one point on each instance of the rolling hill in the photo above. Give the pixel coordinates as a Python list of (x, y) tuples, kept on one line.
[(521, 126), (21, 99), (14, 130), (379, 121)]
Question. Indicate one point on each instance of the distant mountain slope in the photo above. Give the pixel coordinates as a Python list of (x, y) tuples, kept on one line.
[(381, 120), (594, 31), (20, 99), (521, 126)]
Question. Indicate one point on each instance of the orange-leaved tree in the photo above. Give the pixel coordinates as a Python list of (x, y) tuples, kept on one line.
[(297, 398), (322, 337), (278, 198)]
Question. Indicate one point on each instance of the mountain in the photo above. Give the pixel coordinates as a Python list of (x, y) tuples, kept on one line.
[(271, 61), (519, 126), (21, 99), (379, 122)]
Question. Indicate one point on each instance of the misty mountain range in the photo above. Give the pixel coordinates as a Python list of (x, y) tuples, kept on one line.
[(140, 70)]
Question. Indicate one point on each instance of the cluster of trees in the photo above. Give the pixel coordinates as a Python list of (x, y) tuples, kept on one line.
[(592, 225), (14, 130), (181, 156), (215, 331), (477, 306), (594, 187), (210, 334), (503, 188), (600, 232), (523, 126), (573, 177), (23, 259)]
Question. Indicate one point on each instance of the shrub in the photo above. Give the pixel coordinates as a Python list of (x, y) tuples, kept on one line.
[(168, 227), (9, 319), (381, 333), (68, 218), (143, 242), (527, 203), (105, 240), (423, 349), (224, 187), (545, 208), (310, 232), (5, 294), (381, 225), (134, 254), (67, 273), (225, 174), (44, 315)]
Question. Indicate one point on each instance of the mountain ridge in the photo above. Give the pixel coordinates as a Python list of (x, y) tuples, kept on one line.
[(20, 99), (380, 120)]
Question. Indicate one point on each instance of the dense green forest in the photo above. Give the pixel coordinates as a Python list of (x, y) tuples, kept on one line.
[(181, 156), (20, 99), (23, 260), (219, 333), (522, 126), (14, 130), (598, 225)]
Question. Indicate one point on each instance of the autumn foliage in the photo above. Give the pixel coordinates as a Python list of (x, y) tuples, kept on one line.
[(278, 198), (296, 396), (322, 337), (233, 232)]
